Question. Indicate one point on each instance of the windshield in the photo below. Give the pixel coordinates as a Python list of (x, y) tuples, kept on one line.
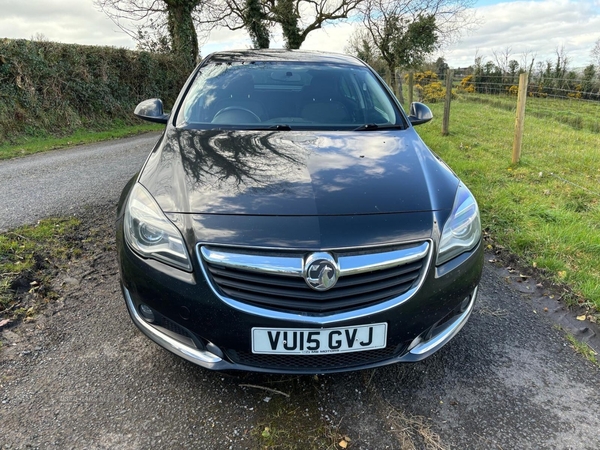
[(284, 95)]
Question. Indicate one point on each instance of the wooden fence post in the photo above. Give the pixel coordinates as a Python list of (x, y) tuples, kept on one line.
[(398, 85), (411, 83), (446, 119), (520, 119)]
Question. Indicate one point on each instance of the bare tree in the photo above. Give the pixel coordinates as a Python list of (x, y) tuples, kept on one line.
[(527, 61), (502, 58), (143, 18), (297, 18), (361, 45), (596, 53)]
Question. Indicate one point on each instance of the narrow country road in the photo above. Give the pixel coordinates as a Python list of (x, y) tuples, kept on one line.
[(57, 182), (80, 375)]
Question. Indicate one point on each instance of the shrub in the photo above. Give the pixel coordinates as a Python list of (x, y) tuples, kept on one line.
[(425, 78), (466, 84), (429, 88), (52, 88)]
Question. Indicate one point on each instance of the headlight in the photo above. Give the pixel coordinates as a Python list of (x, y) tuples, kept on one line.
[(150, 233), (462, 231)]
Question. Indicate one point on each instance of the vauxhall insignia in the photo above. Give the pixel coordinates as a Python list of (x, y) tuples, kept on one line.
[(321, 272)]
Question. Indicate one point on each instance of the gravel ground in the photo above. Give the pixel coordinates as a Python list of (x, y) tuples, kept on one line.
[(80, 375)]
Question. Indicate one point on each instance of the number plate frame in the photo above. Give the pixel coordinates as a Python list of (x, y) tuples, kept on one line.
[(318, 341)]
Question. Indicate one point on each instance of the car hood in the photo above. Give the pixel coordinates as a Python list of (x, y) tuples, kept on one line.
[(296, 173)]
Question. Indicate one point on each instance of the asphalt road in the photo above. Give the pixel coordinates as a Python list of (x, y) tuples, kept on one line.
[(81, 376), (62, 181)]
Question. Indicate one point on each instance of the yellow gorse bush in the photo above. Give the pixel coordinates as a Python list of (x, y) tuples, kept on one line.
[(466, 84), (429, 88)]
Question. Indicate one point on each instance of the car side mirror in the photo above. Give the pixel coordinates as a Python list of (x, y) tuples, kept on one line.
[(419, 113), (152, 111)]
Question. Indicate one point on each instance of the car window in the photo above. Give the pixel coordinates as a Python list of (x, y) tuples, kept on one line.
[(298, 95)]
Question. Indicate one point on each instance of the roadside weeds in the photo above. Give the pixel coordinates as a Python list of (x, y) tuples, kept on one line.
[(583, 349)]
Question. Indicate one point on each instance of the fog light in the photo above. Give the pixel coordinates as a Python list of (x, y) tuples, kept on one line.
[(147, 313)]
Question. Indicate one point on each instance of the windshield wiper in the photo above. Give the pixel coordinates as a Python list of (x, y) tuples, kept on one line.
[(374, 126), (278, 127)]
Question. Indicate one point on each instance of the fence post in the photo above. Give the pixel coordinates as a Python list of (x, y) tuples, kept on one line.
[(520, 119), (446, 119), (398, 85), (411, 83)]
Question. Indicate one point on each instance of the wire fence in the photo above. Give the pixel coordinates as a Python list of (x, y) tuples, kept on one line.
[(560, 88), (574, 102), (553, 100), (571, 101)]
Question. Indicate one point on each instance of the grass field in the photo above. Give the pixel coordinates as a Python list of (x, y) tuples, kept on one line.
[(546, 209), (578, 114)]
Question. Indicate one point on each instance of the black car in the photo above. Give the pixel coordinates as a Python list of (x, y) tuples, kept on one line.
[(290, 219)]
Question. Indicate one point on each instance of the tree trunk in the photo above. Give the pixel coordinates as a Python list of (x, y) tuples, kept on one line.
[(182, 31), (286, 16), (256, 25)]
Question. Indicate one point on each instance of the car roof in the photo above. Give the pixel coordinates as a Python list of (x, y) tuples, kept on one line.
[(275, 55)]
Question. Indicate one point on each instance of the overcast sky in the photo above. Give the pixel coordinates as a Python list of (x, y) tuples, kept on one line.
[(534, 26)]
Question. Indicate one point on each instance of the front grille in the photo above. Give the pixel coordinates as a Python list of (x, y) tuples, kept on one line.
[(328, 361), (274, 279)]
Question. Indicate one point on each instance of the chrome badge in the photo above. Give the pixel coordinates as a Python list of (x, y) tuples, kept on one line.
[(321, 272)]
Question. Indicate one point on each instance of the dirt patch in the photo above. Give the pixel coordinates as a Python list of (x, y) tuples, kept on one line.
[(41, 290)]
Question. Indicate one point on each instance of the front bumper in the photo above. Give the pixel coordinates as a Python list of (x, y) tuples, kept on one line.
[(198, 326), (209, 360)]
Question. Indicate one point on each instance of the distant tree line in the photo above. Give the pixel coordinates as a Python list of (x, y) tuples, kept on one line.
[(548, 78)]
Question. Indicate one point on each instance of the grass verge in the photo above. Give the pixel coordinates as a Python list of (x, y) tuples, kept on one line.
[(29, 145), (29, 258), (544, 210), (583, 349)]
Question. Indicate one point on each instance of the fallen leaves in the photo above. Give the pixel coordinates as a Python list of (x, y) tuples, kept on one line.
[(344, 442)]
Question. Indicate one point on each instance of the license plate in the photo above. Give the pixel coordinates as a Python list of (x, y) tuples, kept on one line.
[(311, 341)]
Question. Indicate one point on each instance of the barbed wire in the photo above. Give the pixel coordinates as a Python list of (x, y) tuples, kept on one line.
[(575, 184)]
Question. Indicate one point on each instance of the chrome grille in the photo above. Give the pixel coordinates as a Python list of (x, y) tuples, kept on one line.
[(273, 280)]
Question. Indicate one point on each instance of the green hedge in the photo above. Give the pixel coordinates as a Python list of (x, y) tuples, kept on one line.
[(52, 88)]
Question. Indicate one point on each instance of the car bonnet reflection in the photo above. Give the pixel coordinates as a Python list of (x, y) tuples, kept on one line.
[(288, 172)]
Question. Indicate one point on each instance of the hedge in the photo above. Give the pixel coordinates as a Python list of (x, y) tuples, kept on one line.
[(52, 88)]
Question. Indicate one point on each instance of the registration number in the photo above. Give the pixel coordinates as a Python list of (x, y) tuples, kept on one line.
[(307, 341)]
